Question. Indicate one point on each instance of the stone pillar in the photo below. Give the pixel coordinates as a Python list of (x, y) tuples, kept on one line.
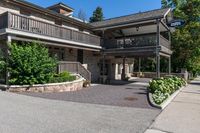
[(123, 69)]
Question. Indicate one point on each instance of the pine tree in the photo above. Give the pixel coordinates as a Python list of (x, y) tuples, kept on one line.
[(97, 15), (164, 3)]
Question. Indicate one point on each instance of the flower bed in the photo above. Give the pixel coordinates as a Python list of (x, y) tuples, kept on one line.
[(163, 88)]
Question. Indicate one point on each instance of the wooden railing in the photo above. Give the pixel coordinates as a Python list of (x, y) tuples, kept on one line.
[(74, 67), (137, 41), (164, 42), (27, 24)]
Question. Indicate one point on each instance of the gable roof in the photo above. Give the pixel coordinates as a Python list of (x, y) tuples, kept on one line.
[(142, 16), (60, 4)]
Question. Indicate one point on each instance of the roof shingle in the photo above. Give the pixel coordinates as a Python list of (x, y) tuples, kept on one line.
[(158, 13)]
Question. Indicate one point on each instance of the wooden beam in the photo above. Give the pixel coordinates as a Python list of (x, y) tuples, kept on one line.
[(157, 50)]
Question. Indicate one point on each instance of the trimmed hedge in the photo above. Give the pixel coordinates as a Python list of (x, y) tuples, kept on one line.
[(162, 88)]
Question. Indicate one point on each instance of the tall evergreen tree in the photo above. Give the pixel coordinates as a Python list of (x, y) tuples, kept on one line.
[(164, 4), (97, 15)]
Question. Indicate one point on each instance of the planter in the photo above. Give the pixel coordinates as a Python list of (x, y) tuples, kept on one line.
[(51, 87), (166, 102)]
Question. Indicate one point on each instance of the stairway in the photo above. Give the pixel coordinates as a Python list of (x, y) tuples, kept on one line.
[(74, 67)]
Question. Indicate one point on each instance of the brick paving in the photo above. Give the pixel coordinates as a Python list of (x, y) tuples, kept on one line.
[(132, 94)]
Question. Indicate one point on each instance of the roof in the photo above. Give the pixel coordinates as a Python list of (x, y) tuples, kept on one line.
[(142, 16), (50, 12), (61, 5)]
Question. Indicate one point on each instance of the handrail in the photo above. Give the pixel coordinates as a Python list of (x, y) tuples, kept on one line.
[(28, 24), (74, 67)]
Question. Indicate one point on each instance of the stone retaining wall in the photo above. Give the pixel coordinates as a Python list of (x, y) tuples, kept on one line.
[(53, 87)]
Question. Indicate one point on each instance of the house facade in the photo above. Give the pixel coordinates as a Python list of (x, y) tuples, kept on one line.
[(99, 51)]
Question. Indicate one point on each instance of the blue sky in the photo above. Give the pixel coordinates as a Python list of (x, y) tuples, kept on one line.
[(111, 8)]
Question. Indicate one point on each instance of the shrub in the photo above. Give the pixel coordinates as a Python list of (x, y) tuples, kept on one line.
[(30, 63), (162, 88), (62, 77)]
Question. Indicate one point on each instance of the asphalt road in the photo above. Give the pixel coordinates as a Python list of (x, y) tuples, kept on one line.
[(25, 114)]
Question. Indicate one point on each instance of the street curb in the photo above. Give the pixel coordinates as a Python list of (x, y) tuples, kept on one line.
[(166, 102)]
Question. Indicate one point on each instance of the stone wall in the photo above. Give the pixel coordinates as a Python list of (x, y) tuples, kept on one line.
[(53, 87), (91, 61)]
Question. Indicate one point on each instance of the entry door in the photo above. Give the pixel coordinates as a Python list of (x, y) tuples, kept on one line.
[(80, 56)]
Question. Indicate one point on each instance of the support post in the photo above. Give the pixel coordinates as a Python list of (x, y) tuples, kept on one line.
[(7, 74), (139, 64), (169, 67), (103, 79), (103, 65), (123, 70), (157, 50)]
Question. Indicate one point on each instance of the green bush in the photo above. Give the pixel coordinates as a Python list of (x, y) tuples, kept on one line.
[(30, 63), (162, 88), (62, 77)]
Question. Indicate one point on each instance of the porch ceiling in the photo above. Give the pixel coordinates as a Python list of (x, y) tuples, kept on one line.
[(137, 30)]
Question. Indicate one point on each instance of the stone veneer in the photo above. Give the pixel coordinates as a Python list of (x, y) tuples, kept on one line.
[(52, 87)]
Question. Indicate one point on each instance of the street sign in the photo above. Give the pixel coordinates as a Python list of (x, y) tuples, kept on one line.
[(176, 23)]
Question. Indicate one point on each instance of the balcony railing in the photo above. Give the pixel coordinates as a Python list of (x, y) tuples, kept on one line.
[(27, 24), (133, 42)]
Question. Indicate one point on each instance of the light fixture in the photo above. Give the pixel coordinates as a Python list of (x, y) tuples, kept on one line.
[(137, 28)]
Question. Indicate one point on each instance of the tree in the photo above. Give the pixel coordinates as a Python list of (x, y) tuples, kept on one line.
[(97, 15), (82, 15), (164, 4), (186, 39)]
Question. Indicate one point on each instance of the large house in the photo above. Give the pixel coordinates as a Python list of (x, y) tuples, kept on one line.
[(98, 51)]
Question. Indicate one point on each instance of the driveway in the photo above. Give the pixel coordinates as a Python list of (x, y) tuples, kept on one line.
[(124, 94)]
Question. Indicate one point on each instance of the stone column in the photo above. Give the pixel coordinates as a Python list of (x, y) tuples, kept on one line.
[(123, 70)]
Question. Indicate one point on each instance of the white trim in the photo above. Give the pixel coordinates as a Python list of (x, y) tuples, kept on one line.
[(27, 34), (167, 12)]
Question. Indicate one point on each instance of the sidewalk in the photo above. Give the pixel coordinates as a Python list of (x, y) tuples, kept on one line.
[(183, 114)]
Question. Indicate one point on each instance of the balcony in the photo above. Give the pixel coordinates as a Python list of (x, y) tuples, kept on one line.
[(26, 24), (135, 42)]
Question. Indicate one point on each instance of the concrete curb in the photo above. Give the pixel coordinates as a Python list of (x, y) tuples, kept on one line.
[(166, 102)]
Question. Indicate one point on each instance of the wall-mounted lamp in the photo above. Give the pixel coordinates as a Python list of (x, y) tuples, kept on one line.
[(137, 28)]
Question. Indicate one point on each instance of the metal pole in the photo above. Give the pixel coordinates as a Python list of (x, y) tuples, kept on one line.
[(157, 50)]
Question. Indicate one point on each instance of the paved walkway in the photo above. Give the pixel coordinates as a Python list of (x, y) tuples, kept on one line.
[(25, 114), (183, 113), (124, 94)]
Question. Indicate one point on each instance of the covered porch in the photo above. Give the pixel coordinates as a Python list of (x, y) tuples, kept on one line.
[(133, 37)]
